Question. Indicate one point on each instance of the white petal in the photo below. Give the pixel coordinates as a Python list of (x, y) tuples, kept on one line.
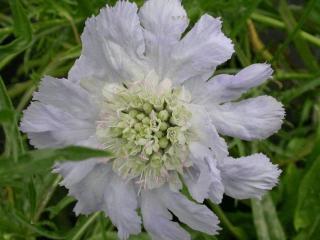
[(74, 172), (86, 181), (157, 219), (253, 118), (200, 51), (121, 202), (205, 131), (67, 96), (223, 88), (164, 21), (248, 177), (196, 216), (49, 126), (62, 113), (203, 178), (113, 47)]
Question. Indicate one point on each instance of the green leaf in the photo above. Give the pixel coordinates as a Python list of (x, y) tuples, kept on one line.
[(265, 217), (308, 207), (37, 161), (22, 30), (13, 145)]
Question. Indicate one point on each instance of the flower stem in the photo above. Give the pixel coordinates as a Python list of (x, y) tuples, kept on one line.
[(235, 231), (279, 24)]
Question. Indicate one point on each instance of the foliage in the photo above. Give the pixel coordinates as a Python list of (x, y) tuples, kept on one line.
[(42, 37)]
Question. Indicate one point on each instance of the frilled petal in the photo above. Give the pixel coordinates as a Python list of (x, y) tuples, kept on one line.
[(202, 49), (206, 132), (163, 21), (98, 188), (157, 219), (121, 203), (86, 181), (253, 118), (223, 88), (196, 216), (248, 177), (203, 178), (62, 113), (113, 48)]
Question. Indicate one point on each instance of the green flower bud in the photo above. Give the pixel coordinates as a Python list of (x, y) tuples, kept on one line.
[(163, 142), (163, 115), (133, 113), (159, 134), (163, 126), (155, 160), (146, 121), (172, 134), (147, 107), (140, 116), (138, 126)]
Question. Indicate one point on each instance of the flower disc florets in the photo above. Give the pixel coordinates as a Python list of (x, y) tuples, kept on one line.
[(149, 134)]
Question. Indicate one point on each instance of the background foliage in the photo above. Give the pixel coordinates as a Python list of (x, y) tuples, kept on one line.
[(42, 37)]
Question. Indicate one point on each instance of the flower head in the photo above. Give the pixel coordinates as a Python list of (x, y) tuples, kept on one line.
[(140, 90)]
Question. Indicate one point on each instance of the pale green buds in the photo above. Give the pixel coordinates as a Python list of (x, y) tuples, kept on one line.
[(163, 115), (147, 107)]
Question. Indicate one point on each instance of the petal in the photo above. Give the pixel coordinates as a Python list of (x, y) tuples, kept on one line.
[(205, 131), (62, 113), (164, 21), (223, 88), (248, 177), (121, 203), (67, 96), (157, 219), (200, 51), (113, 47), (98, 188), (203, 178), (196, 216), (253, 118), (86, 181), (48, 126)]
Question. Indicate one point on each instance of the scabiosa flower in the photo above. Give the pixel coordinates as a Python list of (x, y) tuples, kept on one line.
[(140, 89)]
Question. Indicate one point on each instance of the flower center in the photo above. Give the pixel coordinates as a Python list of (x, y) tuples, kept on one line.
[(148, 134)]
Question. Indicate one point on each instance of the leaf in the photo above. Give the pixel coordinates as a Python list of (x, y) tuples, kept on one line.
[(308, 208), (13, 146), (37, 161), (265, 217), (22, 30)]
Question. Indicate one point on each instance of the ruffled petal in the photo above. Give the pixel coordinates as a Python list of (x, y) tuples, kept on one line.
[(121, 205), (163, 21), (62, 113), (157, 219), (203, 178), (196, 216), (113, 48), (248, 177), (223, 88), (253, 118), (206, 133), (202, 49), (98, 188), (48, 126), (86, 181)]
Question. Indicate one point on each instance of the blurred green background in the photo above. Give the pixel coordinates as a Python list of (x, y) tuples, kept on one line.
[(42, 37)]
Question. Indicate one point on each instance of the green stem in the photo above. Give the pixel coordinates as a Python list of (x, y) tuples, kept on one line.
[(279, 24), (236, 231)]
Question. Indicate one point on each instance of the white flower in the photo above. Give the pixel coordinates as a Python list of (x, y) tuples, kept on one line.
[(140, 90)]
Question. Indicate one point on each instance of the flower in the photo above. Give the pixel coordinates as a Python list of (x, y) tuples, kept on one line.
[(140, 90)]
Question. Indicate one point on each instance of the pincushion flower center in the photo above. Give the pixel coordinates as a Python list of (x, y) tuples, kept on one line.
[(147, 132)]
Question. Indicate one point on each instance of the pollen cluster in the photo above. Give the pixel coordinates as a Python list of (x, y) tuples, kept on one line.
[(148, 134)]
